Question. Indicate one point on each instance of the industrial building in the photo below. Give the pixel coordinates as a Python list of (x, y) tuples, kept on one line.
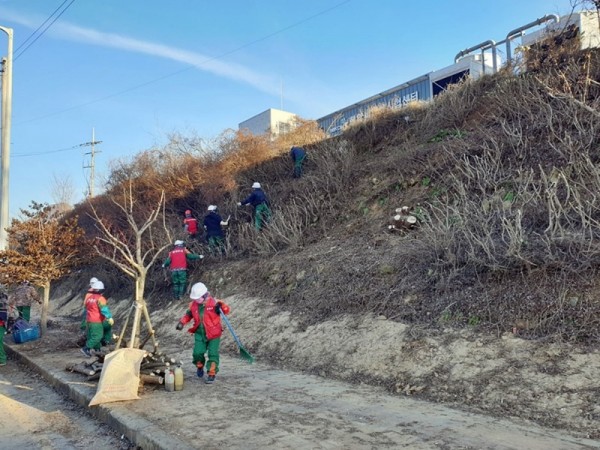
[(468, 64), (272, 121), (471, 63)]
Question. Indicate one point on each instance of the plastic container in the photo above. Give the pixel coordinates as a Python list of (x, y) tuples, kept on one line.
[(21, 325), (23, 331), (169, 380), (178, 378)]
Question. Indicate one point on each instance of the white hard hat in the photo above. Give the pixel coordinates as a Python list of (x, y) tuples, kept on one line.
[(97, 285), (93, 280), (179, 242), (212, 207), (198, 290), (256, 185)]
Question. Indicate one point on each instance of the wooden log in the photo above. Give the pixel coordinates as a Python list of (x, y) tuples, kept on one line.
[(81, 368), (152, 365), (151, 379)]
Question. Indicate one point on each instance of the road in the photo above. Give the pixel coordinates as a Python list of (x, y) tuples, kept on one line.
[(34, 416), (254, 407)]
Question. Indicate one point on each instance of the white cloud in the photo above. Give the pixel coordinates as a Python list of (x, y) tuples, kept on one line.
[(233, 71)]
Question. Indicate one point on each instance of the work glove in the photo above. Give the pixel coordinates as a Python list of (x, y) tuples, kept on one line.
[(201, 256), (239, 203), (179, 326), (110, 321), (218, 308)]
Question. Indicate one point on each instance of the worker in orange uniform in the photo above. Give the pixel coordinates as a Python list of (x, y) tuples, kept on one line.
[(97, 312), (205, 311), (190, 225), (177, 262)]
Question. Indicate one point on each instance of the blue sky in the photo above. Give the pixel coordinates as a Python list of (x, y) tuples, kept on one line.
[(137, 70)]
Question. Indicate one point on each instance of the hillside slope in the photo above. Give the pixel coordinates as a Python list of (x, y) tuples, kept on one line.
[(491, 302)]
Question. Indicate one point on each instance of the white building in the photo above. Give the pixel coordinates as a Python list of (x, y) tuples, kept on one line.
[(272, 121)]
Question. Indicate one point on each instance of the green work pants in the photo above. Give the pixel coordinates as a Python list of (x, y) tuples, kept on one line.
[(95, 333), (262, 214), (24, 312), (107, 336), (216, 245), (298, 167), (202, 346), (2, 352), (179, 280)]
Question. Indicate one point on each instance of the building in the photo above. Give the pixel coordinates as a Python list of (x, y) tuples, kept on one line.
[(422, 88), (272, 121), (471, 63)]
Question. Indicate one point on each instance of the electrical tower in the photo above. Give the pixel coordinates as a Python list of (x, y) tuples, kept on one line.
[(92, 165)]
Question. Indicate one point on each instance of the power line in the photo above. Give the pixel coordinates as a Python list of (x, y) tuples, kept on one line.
[(155, 80), (45, 29), (19, 155), (38, 28)]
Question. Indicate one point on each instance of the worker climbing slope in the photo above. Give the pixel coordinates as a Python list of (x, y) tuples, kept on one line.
[(213, 224), (298, 155), (260, 203), (177, 261), (190, 225)]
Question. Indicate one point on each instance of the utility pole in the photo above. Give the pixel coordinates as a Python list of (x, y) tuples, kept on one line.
[(5, 139), (92, 165)]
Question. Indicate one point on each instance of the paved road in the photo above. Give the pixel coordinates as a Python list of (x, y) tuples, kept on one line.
[(260, 407), (34, 416)]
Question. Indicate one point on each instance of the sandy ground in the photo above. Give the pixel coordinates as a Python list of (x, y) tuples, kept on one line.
[(360, 382), (34, 416), (259, 406)]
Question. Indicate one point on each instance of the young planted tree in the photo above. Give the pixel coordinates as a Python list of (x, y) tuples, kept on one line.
[(42, 248), (133, 241)]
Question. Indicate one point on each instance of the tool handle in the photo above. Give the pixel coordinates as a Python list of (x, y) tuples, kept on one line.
[(235, 338)]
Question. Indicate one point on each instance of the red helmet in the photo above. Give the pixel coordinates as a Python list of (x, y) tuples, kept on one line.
[(188, 212)]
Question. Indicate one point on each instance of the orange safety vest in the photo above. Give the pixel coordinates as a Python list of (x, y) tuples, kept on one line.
[(211, 320), (93, 303), (192, 225), (178, 258)]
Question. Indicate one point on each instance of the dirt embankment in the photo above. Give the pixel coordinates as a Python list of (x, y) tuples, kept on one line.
[(554, 385)]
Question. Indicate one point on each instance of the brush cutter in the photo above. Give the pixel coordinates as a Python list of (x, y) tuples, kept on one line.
[(244, 354)]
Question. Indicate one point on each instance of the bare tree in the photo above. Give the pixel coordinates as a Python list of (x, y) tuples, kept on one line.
[(135, 247), (63, 191)]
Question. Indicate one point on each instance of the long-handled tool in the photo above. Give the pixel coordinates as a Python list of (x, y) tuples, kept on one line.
[(244, 354)]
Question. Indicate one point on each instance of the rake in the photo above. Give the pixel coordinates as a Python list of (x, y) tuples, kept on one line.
[(244, 354)]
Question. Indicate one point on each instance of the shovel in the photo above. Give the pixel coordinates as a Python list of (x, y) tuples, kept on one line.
[(244, 354)]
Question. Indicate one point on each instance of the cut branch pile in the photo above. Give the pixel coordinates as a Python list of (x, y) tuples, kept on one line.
[(152, 367)]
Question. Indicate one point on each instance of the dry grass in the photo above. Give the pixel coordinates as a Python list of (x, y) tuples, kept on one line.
[(506, 173), (503, 171)]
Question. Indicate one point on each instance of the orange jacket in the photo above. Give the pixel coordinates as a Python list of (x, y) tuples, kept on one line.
[(210, 319), (96, 308)]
